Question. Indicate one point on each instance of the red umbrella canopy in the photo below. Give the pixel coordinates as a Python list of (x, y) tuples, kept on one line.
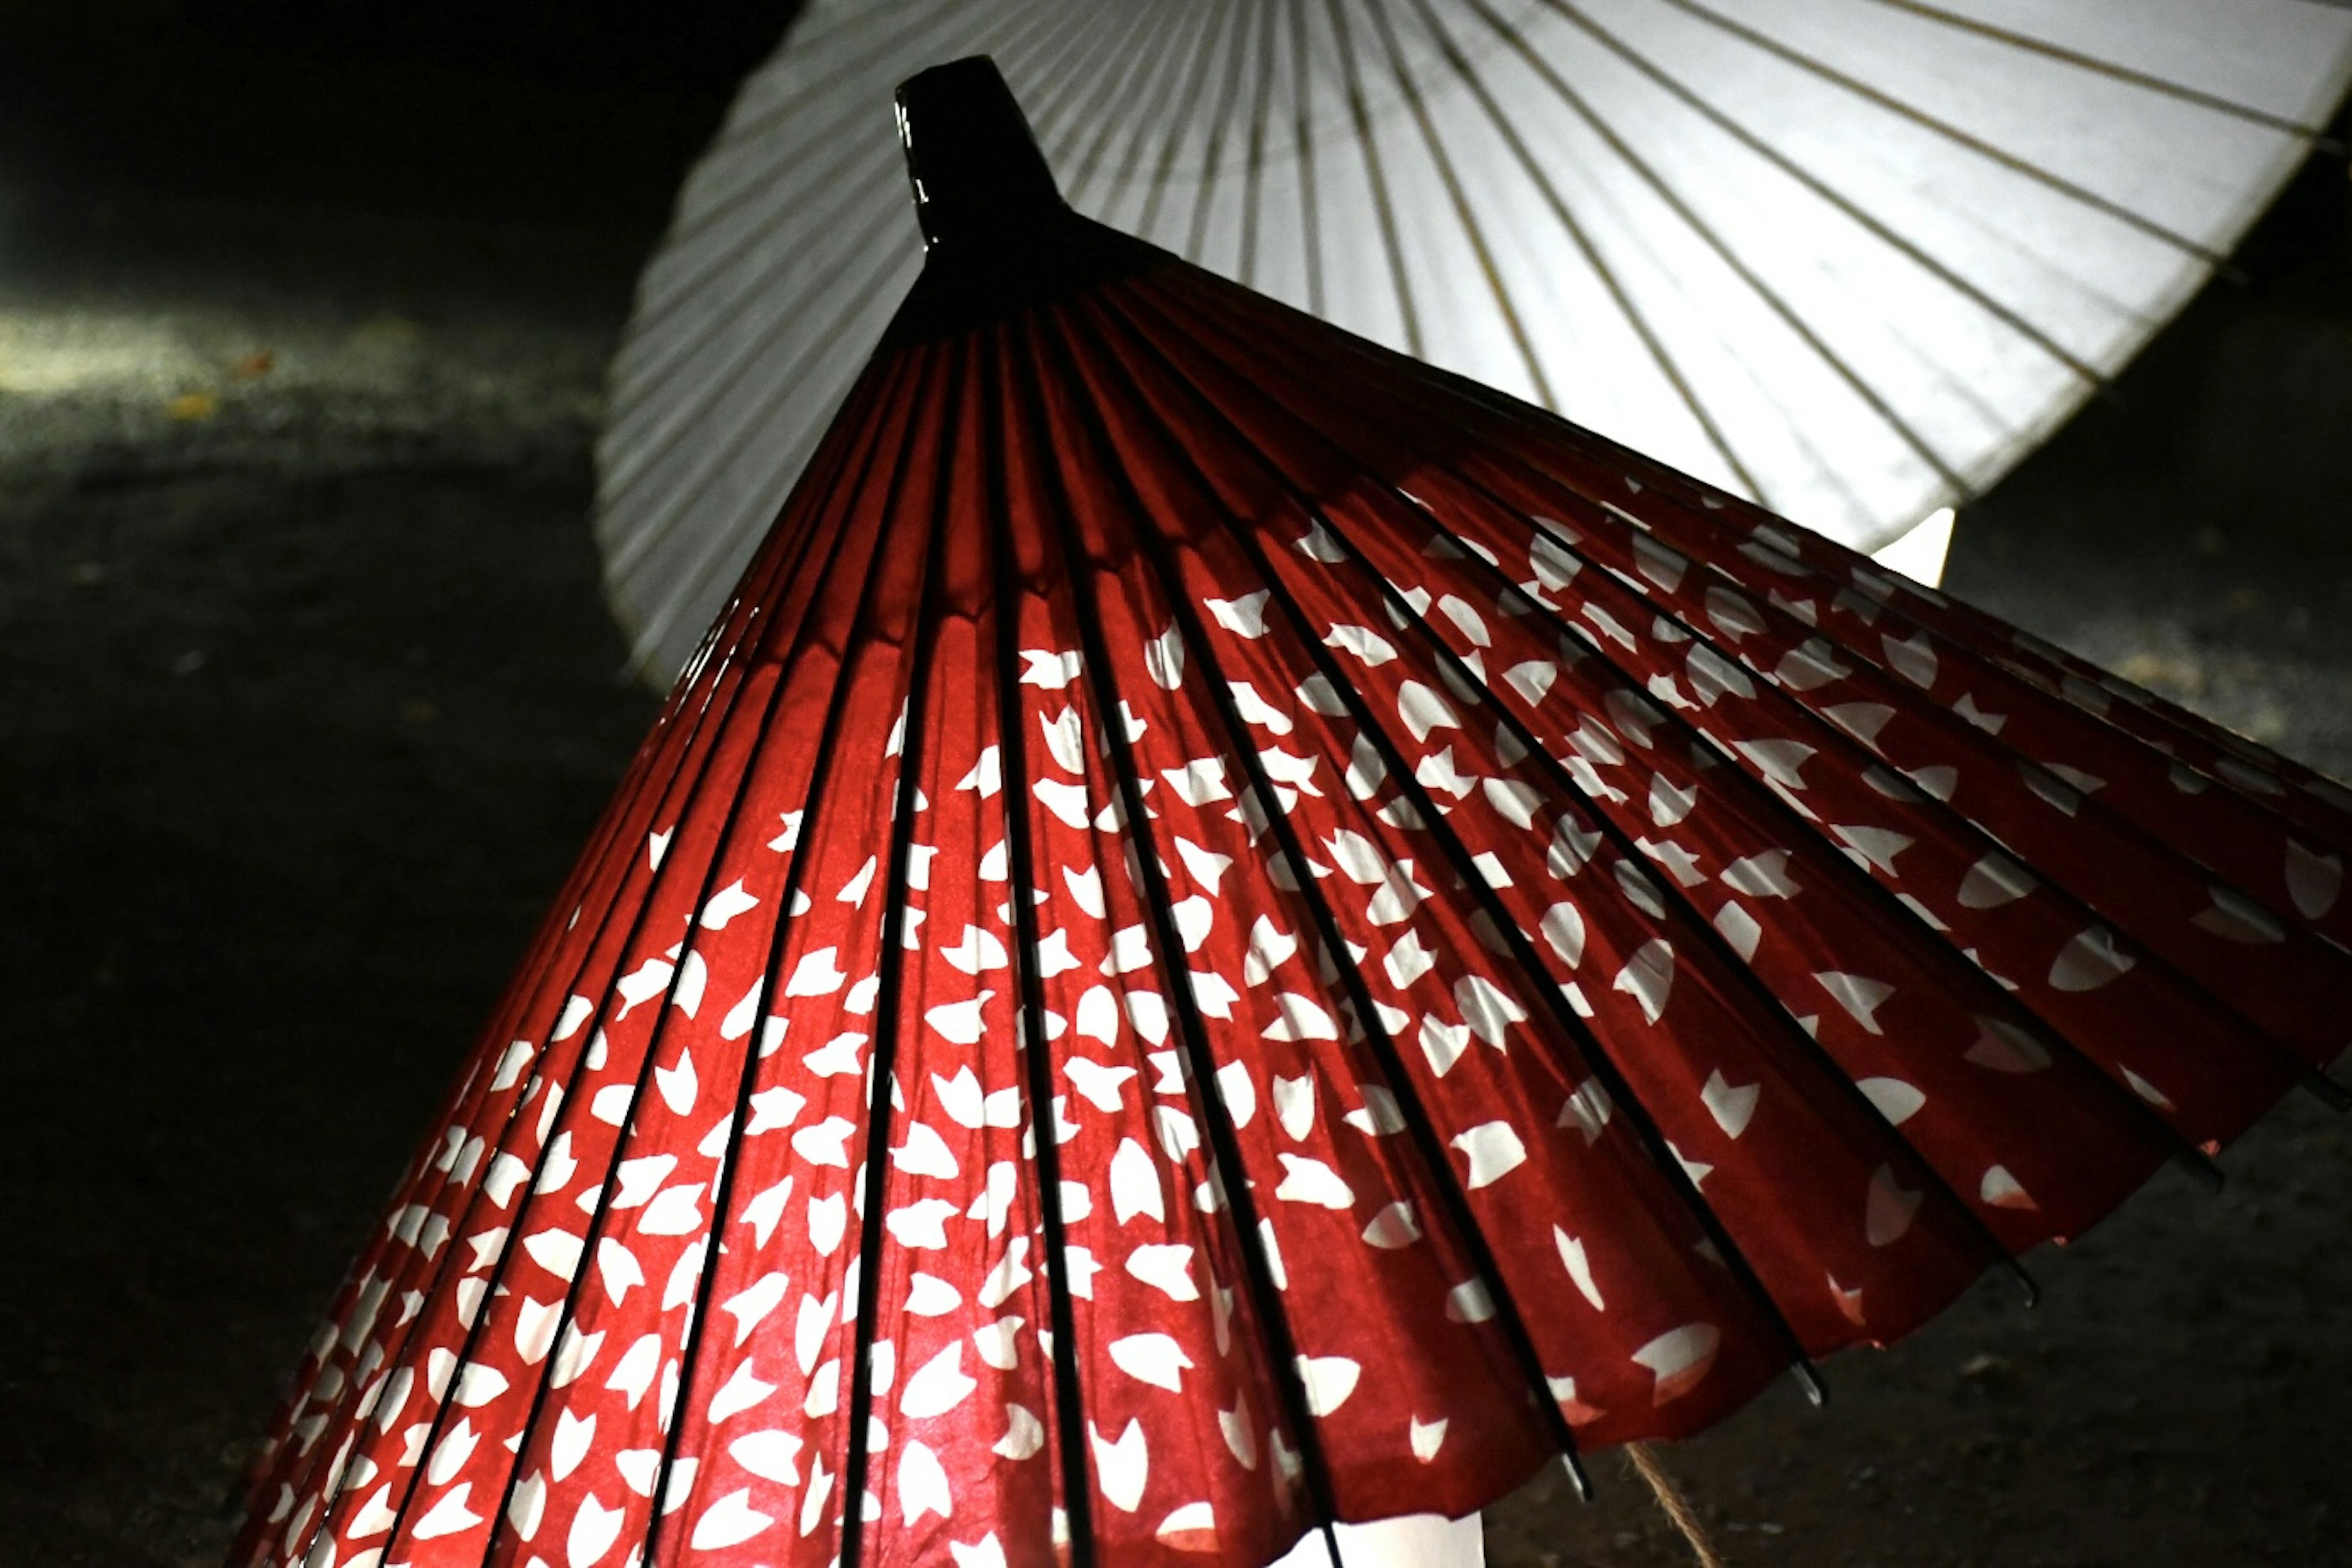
[(1231, 932)]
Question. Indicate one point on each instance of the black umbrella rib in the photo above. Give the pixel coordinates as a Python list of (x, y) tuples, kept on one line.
[(611, 841), (1229, 1175), (463, 1104), (726, 834), (703, 779), (2194, 1161), (882, 1066), (1422, 1127), (1589, 1041), (1602, 1062), (826, 753), (1565, 787), (1012, 723), (1696, 925)]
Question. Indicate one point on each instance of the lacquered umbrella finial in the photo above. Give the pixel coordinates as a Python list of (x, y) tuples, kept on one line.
[(971, 155)]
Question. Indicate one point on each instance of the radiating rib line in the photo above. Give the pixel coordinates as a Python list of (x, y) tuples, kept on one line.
[(1595, 1053), (621, 821), (848, 241), (1175, 100), (714, 384), (1963, 627), (1230, 1174), (2196, 1160), (1695, 925), (1471, 228), (1144, 107), (1918, 255), (1220, 117), (1254, 170), (1588, 1041), (1368, 148), (816, 797), (431, 1266), (1164, 113), (882, 1066), (831, 21), (849, 196), (1431, 1148), (1394, 1074), (1179, 122), (1698, 924), (1159, 97), (1563, 786), (2310, 1077), (694, 574), (1012, 724), (1564, 212), (589, 1030), (1302, 125), (1790, 318), (1146, 57), (626, 850), (2012, 685), (2008, 685), (473, 1091), (758, 177), (2317, 134), (2122, 829), (1057, 83), (1959, 137)]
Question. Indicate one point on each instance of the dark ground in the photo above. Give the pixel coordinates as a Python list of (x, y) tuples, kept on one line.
[(307, 697)]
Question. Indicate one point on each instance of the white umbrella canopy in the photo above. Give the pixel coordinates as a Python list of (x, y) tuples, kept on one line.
[(1851, 257)]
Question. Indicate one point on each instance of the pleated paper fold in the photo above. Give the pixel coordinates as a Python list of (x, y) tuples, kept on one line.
[(1230, 929)]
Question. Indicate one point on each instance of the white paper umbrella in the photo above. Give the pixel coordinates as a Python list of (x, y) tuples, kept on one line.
[(1854, 258)]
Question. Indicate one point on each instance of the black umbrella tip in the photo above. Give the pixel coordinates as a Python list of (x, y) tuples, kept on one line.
[(971, 155)]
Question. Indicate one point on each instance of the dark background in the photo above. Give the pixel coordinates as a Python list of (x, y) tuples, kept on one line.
[(307, 697)]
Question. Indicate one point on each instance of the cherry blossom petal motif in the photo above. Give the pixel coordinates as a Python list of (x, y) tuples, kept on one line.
[(1619, 948)]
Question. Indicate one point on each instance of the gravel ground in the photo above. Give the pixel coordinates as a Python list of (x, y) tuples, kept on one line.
[(307, 697)]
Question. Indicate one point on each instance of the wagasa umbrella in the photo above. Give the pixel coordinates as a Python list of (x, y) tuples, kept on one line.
[(1231, 930), (1851, 258)]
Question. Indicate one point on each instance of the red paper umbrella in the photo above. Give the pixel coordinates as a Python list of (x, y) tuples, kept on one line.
[(1232, 932)]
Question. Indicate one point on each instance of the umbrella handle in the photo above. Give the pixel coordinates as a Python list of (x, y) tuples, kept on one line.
[(1672, 1503)]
